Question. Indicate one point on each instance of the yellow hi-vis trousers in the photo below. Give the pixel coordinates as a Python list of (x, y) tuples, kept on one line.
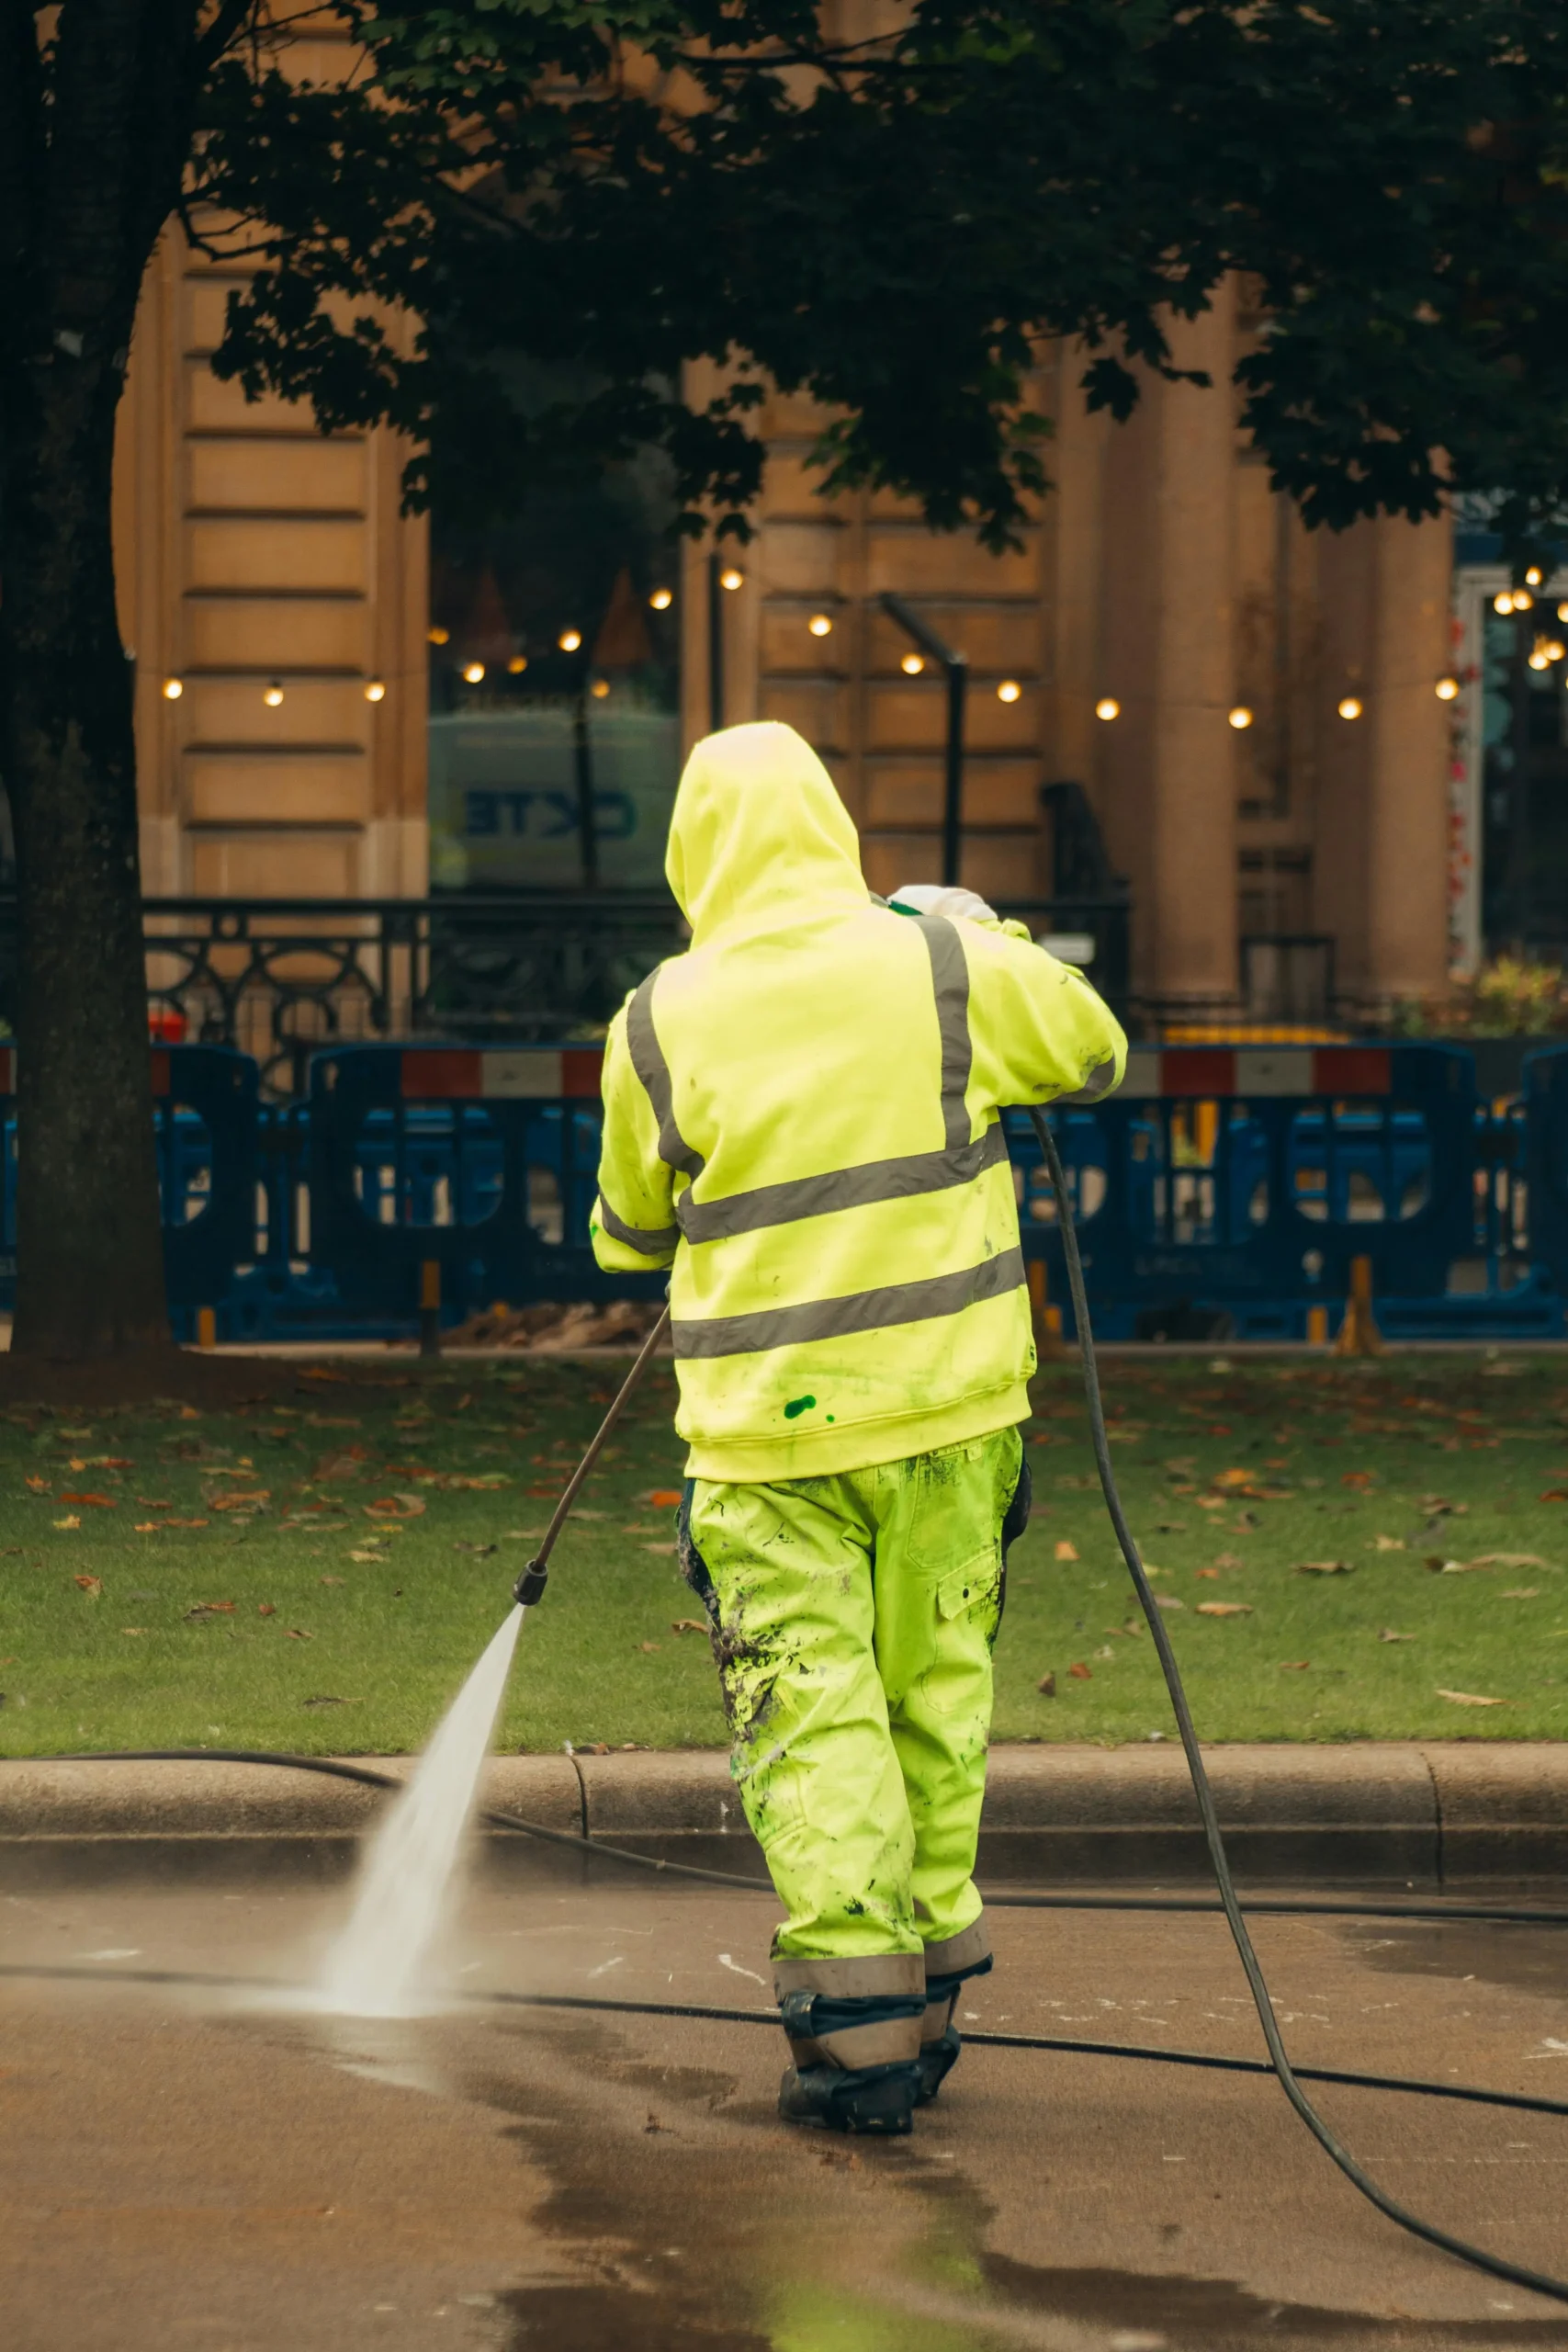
[(852, 1618)]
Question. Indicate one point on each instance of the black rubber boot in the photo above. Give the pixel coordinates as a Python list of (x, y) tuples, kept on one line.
[(880, 2099), (936, 2061)]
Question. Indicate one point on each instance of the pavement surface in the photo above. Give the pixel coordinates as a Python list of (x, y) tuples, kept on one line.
[(189, 2158)]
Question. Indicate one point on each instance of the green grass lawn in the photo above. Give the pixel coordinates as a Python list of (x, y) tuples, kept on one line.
[(319, 1574)]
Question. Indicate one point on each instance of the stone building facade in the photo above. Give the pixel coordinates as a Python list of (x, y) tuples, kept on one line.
[(276, 601)]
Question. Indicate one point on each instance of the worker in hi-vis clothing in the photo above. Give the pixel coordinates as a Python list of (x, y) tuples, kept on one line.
[(801, 1123)]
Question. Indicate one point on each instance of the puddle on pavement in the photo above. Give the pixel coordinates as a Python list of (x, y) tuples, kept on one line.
[(1527, 1960), (693, 2219)]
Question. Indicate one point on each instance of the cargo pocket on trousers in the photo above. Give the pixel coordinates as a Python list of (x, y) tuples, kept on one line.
[(973, 1590)]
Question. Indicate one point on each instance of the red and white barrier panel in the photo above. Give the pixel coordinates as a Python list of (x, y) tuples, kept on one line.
[(1211, 1071), (527, 1073)]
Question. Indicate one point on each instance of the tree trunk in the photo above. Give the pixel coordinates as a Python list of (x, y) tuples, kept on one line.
[(90, 171), (89, 1237)]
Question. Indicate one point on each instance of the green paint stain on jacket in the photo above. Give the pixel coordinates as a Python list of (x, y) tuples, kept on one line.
[(799, 1405)]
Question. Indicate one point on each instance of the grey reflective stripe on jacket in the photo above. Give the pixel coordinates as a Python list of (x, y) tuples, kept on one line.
[(860, 1310), (647, 1060), (649, 1242)]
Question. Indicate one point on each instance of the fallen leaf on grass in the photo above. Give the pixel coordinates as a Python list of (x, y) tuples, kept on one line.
[(647, 1647), (91, 1585), (1168, 1600), (1066, 1549), (1224, 1609), (1210, 1502), (1509, 1560), (1046, 1686), (154, 1502), (395, 1507), (369, 1558), (248, 1499), (663, 1544), (326, 1699), (320, 1372), (1229, 1560), (331, 1580), (267, 1609), (187, 1522), (1387, 1633), (1294, 1665), (133, 1629), (1212, 1575), (1233, 1478), (1361, 1478), (1325, 1568), (665, 1498), (1555, 1495), (72, 1521), (479, 1551), (1521, 1592), (297, 1633), (1389, 1543), (1081, 1673), (146, 1527), (1471, 1698), (38, 1485), (211, 1608), (688, 1625)]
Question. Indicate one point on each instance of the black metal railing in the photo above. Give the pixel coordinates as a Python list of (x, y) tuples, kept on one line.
[(282, 978)]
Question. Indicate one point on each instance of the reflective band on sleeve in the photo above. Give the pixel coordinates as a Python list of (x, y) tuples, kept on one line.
[(657, 1242), (1100, 1079), (861, 1310), (843, 1188), (647, 1060), (950, 978)]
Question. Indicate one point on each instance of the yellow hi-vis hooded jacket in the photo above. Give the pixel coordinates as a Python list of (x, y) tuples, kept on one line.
[(800, 1118)]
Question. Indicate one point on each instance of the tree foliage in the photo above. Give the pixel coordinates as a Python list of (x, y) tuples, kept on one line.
[(893, 225)]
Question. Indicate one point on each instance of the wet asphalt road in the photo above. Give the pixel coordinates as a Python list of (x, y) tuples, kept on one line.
[(192, 2163)]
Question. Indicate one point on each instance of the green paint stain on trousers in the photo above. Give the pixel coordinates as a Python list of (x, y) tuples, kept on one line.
[(854, 1617)]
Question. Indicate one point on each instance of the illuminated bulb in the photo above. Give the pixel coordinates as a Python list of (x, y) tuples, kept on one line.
[(517, 664), (662, 599), (1532, 577), (1350, 707), (1539, 660), (731, 579), (1009, 691), (1523, 600), (1108, 708), (473, 673), (1502, 602), (570, 640), (173, 689), (1555, 649), (438, 636), (1446, 689), (599, 688), (273, 695), (912, 664), (820, 625), (375, 691), (1562, 611), (1240, 717)]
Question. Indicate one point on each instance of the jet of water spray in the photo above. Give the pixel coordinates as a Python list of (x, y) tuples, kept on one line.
[(375, 1969)]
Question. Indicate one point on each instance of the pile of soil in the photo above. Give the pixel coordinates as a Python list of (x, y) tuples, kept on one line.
[(553, 1328)]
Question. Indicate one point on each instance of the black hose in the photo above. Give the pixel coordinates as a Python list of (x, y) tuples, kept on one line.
[(1514, 2273), (1061, 2045)]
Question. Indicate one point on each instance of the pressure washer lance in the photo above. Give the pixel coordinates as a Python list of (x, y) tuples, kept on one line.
[(529, 1588)]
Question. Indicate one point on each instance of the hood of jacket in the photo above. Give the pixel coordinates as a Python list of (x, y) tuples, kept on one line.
[(759, 829)]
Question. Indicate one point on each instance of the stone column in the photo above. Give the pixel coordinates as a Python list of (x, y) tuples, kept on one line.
[(1381, 858), (1169, 805)]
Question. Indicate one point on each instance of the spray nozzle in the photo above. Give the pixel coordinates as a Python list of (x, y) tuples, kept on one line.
[(530, 1585)]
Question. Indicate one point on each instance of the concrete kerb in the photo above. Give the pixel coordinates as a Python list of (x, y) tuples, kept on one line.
[(1424, 1816)]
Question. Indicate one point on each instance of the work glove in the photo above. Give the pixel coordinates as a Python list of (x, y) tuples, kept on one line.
[(943, 899)]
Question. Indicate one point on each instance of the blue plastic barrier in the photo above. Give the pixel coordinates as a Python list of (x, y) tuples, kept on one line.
[(483, 1159), (205, 1109), (1232, 1186)]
